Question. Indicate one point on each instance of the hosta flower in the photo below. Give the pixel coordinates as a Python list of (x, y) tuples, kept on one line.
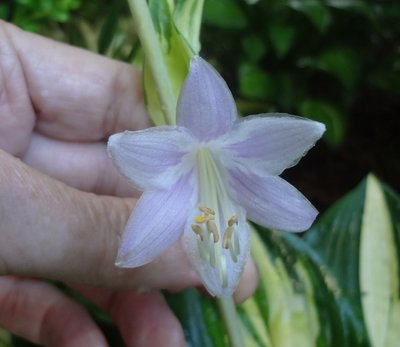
[(205, 176)]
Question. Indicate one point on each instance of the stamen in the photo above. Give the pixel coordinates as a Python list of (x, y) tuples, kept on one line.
[(212, 229), (233, 253), (203, 219), (198, 230), (211, 250), (227, 237), (223, 274), (236, 243), (204, 255), (232, 220), (206, 210)]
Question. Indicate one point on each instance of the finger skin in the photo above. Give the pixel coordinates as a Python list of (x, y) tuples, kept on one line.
[(85, 166), (76, 94), (144, 319), (51, 230), (39, 313)]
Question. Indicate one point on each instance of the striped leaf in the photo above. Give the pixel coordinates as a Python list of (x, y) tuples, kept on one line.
[(358, 240), (177, 23)]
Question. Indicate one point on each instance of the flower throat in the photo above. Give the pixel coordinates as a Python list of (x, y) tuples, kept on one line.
[(216, 227)]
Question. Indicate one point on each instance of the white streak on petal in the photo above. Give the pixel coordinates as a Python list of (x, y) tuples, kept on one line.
[(268, 144), (151, 158), (157, 221), (272, 202), (206, 106)]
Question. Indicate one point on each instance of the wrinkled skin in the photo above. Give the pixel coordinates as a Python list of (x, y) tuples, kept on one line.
[(63, 207)]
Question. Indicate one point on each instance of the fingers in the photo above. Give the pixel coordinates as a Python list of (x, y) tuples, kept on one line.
[(85, 166), (77, 95), (39, 313), (51, 230), (143, 319), (17, 116), (248, 282)]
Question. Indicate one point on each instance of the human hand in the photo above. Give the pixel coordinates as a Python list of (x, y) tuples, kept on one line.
[(58, 105)]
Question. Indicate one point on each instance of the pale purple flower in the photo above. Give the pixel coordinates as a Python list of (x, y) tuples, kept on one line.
[(204, 177)]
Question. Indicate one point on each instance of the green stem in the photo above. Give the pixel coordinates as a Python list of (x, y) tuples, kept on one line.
[(154, 57), (232, 326)]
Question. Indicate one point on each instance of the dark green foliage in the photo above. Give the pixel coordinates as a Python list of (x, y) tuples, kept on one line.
[(308, 57), (38, 15)]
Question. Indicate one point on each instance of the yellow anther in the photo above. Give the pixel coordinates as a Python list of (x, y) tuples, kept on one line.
[(227, 237), (212, 229), (232, 220), (198, 230), (201, 219), (206, 210)]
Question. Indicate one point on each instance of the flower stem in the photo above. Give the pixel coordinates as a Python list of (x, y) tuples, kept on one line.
[(154, 57), (232, 326)]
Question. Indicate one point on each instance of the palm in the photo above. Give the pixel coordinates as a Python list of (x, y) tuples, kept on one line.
[(57, 108)]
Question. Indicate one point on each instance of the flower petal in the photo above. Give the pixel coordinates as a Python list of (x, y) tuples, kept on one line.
[(269, 143), (206, 106), (157, 221), (151, 158), (272, 202), (222, 274)]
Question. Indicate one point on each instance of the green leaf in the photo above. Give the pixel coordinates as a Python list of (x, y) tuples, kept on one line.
[(200, 320), (5, 338), (317, 12), (342, 63), (177, 49), (282, 36), (4, 11), (187, 19), (358, 240), (378, 274), (254, 48), (108, 29), (225, 14), (254, 83), (330, 115)]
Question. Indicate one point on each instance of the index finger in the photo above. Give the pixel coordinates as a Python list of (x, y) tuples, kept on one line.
[(77, 95)]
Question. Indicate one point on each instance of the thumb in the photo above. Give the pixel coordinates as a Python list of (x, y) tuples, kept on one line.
[(51, 230)]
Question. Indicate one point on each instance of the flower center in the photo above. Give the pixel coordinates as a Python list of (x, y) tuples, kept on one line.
[(216, 228)]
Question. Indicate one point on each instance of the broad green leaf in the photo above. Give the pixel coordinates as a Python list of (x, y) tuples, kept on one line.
[(378, 264), (342, 63), (358, 240), (167, 15), (254, 48), (108, 29), (5, 338), (317, 12), (187, 18), (330, 115), (282, 36), (3, 11), (291, 317), (254, 83), (199, 317), (225, 14)]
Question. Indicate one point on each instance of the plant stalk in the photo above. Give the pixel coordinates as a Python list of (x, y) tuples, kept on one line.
[(154, 57), (232, 326)]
